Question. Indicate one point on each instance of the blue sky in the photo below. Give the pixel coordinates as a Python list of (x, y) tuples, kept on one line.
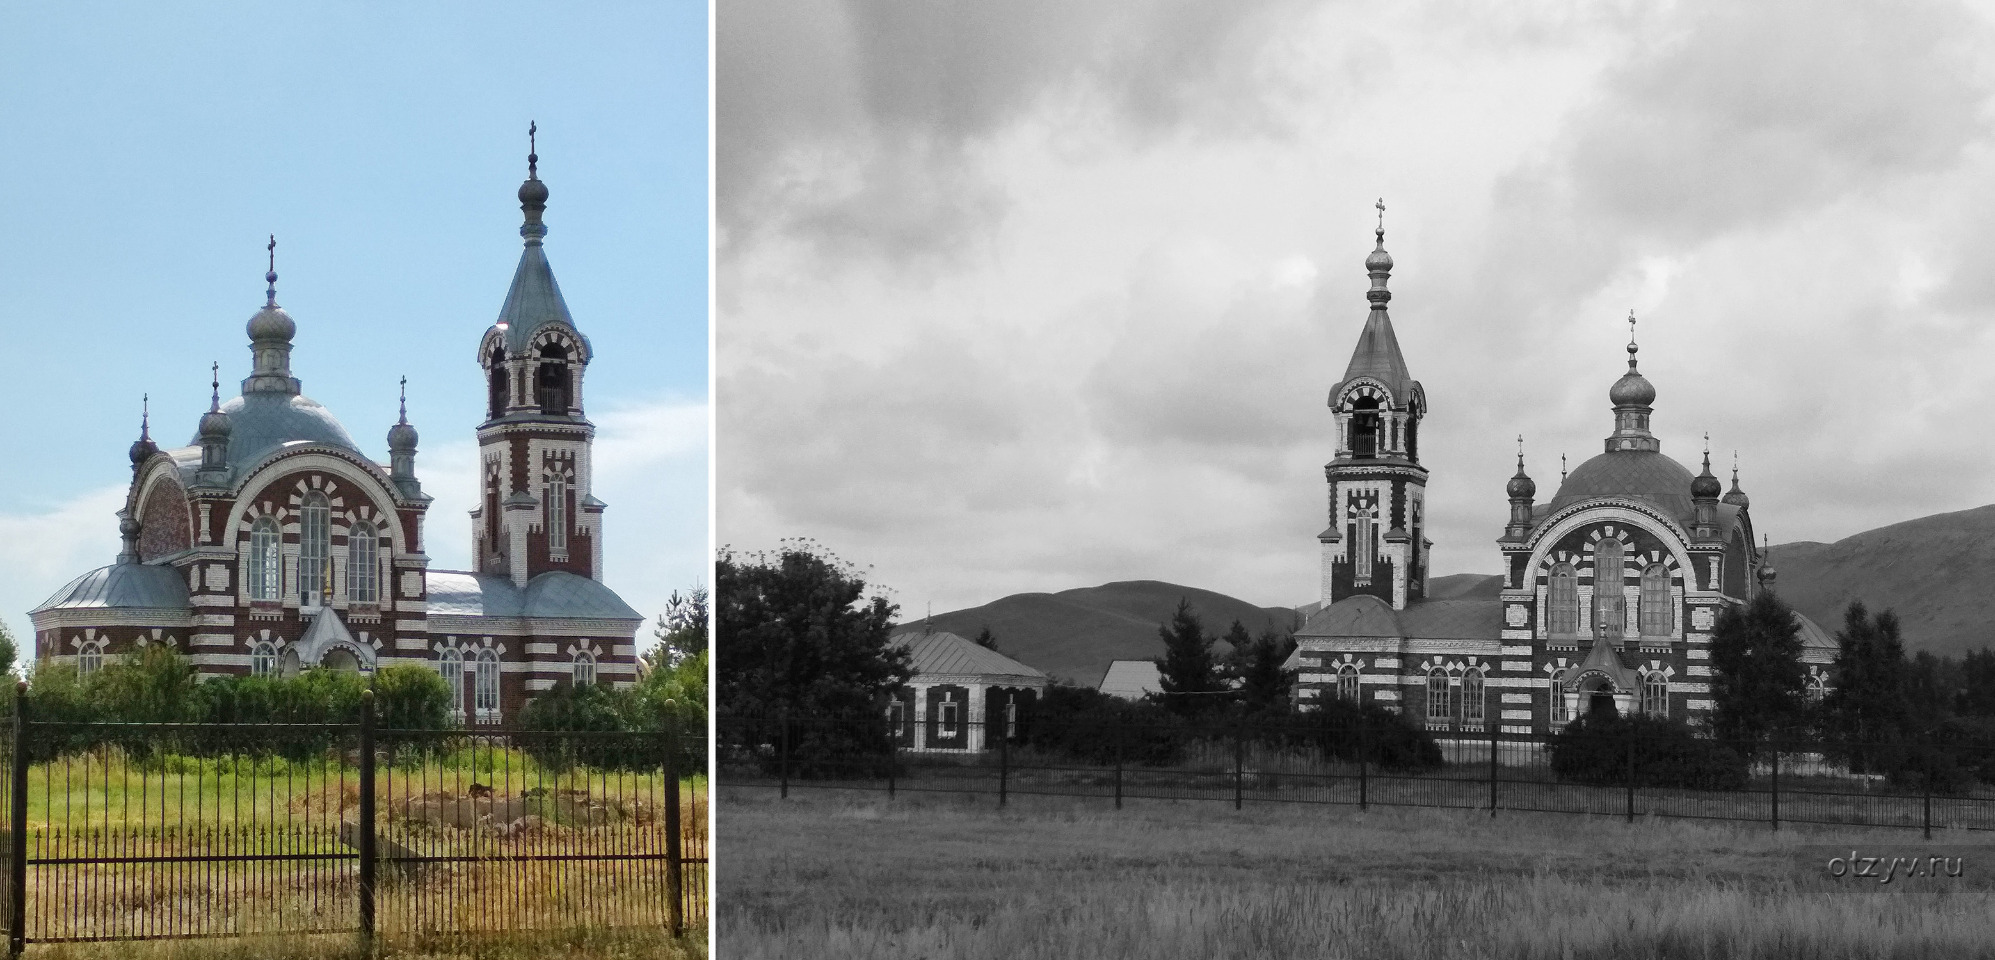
[(150, 149)]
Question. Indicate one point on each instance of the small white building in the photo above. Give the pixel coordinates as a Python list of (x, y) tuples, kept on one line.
[(960, 694)]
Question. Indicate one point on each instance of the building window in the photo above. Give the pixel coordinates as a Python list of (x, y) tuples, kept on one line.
[(264, 561), (1010, 716), (1472, 697), (1440, 706), (1610, 607), (1655, 695), (363, 560), (557, 514), (896, 718), (485, 681), (498, 383), (452, 668), (1656, 619), (951, 715), (553, 379), (1559, 714), (585, 668), (1565, 600), (263, 659), (1347, 683), (314, 543), (89, 658), (1817, 687)]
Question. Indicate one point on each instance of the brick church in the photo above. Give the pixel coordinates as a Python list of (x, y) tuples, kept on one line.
[(271, 543), (1609, 589)]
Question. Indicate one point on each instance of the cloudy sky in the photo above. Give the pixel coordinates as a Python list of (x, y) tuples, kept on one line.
[(149, 150), (1038, 295)]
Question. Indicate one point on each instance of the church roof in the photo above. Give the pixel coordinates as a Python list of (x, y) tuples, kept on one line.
[(946, 654), (1643, 474), (1361, 616), (534, 301), (122, 585), (1368, 616), (262, 422), (1377, 356), (555, 594), (1812, 635), (1601, 658)]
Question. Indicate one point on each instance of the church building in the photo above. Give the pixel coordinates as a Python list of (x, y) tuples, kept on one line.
[(271, 543), (1609, 590)]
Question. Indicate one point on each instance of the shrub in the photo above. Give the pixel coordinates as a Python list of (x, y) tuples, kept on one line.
[(1380, 735), (411, 697), (1087, 726), (1667, 753)]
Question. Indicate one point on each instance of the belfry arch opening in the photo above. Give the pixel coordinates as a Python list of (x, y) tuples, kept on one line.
[(1364, 427), (496, 378), (552, 381)]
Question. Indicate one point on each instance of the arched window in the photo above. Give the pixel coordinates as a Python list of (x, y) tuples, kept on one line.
[(1564, 600), (89, 658), (585, 668), (451, 665), (1347, 683), (497, 399), (1472, 697), (314, 544), (363, 564), (263, 659), (264, 561), (552, 379), (486, 686), (557, 514), (1655, 695), (1559, 713), (1656, 619), (1610, 607), (1817, 687), (1364, 428), (1440, 706)]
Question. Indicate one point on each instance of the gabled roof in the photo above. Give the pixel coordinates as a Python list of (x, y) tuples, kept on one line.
[(326, 632), (1812, 635), (1602, 658), (946, 654)]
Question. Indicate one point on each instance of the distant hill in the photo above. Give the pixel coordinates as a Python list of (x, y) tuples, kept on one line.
[(1073, 635), (1465, 586), (1938, 572)]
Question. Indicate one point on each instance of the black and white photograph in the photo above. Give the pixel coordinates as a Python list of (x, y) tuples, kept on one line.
[(1304, 479)]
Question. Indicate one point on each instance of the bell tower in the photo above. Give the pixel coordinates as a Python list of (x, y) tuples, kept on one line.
[(535, 512), (1376, 541)]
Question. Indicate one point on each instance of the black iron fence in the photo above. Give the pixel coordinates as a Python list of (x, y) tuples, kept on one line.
[(163, 831), (1635, 774)]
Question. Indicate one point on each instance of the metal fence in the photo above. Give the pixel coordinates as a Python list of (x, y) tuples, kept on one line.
[(1765, 781), (169, 831)]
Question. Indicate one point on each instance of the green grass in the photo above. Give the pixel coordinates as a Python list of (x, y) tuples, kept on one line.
[(835, 874)]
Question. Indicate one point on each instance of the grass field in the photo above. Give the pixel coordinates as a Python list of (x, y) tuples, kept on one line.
[(590, 946), (839, 874)]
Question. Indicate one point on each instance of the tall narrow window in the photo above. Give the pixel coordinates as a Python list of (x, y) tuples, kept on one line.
[(452, 667), (498, 398), (951, 716), (585, 668), (557, 514), (363, 559), (1655, 695), (1010, 716), (265, 563), (1347, 683), (552, 379), (1656, 619), (1564, 600), (1365, 429), (1557, 684), (263, 659), (314, 543), (1610, 607), (1440, 707), (486, 683), (89, 658), (1472, 697)]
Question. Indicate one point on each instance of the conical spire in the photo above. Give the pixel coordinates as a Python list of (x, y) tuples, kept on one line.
[(1377, 355), (534, 299)]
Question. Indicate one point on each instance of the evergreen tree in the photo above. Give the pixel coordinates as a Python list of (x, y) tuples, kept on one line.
[(1264, 685), (8, 651), (1977, 680), (1758, 685), (1867, 705), (985, 639), (681, 630), (1187, 673), (794, 632), (1240, 643)]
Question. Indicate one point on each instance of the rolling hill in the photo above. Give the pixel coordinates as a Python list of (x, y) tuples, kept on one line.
[(1074, 634), (1937, 572)]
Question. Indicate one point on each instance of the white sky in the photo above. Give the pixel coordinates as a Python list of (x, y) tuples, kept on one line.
[(1038, 295)]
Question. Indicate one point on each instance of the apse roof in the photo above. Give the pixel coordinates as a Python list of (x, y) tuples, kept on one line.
[(130, 585)]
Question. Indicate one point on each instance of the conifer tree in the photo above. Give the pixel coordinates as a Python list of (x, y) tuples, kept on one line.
[(1264, 685), (1758, 685), (1187, 673), (986, 639), (1866, 704)]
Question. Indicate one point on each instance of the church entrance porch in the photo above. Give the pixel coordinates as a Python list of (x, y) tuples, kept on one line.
[(1598, 695)]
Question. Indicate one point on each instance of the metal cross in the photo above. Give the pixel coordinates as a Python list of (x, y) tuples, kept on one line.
[(273, 253), (1381, 213), (1631, 326)]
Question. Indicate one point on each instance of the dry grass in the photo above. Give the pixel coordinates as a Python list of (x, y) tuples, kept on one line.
[(836, 875), (599, 945)]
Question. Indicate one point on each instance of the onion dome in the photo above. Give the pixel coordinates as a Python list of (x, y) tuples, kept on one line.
[(1736, 496), (1766, 571), (402, 436), (215, 425), (1705, 486), (143, 447), (271, 322), (1632, 389), (1521, 486)]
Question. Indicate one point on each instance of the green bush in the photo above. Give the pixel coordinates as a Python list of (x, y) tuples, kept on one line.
[(411, 697), (1666, 753), (1084, 725), (1383, 737)]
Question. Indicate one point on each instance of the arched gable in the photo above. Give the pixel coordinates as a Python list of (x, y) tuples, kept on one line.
[(159, 503), (362, 488)]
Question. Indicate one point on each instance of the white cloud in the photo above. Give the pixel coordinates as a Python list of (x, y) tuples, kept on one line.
[(41, 551)]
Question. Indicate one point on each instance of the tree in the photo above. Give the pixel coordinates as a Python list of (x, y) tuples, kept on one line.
[(1758, 685), (1264, 685), (682, 629), (1867, 702), (795, 633), (985, 639), (9, 651), (1977, 680), (410, 696), (1187, 673)]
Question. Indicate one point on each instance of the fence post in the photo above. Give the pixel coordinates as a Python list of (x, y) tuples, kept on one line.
[(1776, 786), (1929, 796), (1004, 765), (1120, 732), (1492, 769), (1239, 763), (17, 836), (893, 756), (675, 842), (783, 751), (1364, 761), (1631, 778), (366, 825)]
